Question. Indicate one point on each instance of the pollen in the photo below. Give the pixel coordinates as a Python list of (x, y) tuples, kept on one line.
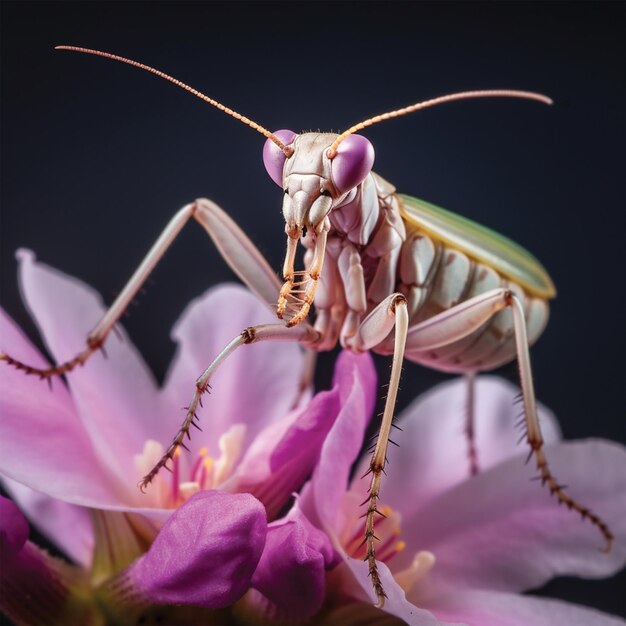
[(400, 545), (190, 473)]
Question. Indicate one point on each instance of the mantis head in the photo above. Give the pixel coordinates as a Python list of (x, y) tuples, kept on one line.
[(318, 172)]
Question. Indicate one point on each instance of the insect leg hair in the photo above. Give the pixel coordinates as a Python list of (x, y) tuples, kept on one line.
[(97, 336), (460, 321), (470, 426), (533, 430), (304, 333), (392, 310), (234, 246)]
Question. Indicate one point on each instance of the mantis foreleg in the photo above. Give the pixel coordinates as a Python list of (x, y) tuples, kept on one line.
[(234, 246)]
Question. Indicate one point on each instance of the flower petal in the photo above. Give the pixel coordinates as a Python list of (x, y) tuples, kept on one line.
[(205, 554), (43, 443), (14, 529), (254, 386), (291, 572), (433, 455), (355, 582), (115, 395), (280, 460), (66, 525), (492, 608), (36, 588), (322, 497), (502, 531)]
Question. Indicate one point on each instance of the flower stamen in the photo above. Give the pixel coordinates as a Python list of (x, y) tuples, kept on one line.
[(422, 563)]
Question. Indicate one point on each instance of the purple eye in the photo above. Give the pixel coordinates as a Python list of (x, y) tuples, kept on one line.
[(274, 157), (353, 162)]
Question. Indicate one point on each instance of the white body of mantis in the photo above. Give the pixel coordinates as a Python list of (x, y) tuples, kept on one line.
[(385, 272)]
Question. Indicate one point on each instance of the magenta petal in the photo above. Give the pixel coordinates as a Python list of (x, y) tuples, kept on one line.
[(205, 554), (291, 572), (35, 588), (67, 526), (277, 466), (323, 495), (13, 527), (492, 608)]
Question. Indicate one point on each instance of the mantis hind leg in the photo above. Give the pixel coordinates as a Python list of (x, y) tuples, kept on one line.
[(533, 430), (469, 316), (441, 330), (470, 423)]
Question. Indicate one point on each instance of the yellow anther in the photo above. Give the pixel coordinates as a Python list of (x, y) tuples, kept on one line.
[(386, 511), (396, 531), (208, 463), (176, 453), (400, 546), (203, 452)]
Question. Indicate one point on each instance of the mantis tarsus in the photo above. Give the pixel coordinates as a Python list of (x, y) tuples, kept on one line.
[(386, 272)]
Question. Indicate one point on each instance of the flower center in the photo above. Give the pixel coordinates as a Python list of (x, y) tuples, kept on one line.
[(388, 530), (188, 476)]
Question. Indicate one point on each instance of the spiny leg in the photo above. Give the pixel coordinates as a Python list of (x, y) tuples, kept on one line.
[(470, 432), (463, 319), (237, 250), (253, 334), (98, 335), (533, 430), (395, 306)]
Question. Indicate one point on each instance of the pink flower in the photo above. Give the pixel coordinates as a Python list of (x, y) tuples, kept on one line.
[(72, 456), (461, 549), (453, 548)]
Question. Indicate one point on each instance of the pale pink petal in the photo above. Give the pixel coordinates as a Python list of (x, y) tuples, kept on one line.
[(255, 386), (43, 443), (355, 582), (433, 456), (503, 531), (115, 395), (66, 525), (323, 495), (492, 608)]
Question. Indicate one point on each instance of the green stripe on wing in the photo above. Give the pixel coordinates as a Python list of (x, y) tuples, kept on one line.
[(479, 243)]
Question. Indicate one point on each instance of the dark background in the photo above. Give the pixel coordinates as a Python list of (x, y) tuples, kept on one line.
[(96, 156)]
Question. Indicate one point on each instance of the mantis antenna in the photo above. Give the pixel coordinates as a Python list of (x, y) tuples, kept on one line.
[(178, 83), (462, 95)]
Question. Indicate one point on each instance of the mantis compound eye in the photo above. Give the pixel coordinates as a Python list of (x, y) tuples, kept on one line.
[(274, 157), (352, 163)]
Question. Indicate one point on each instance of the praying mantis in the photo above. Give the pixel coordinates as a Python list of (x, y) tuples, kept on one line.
[(384, 271)]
